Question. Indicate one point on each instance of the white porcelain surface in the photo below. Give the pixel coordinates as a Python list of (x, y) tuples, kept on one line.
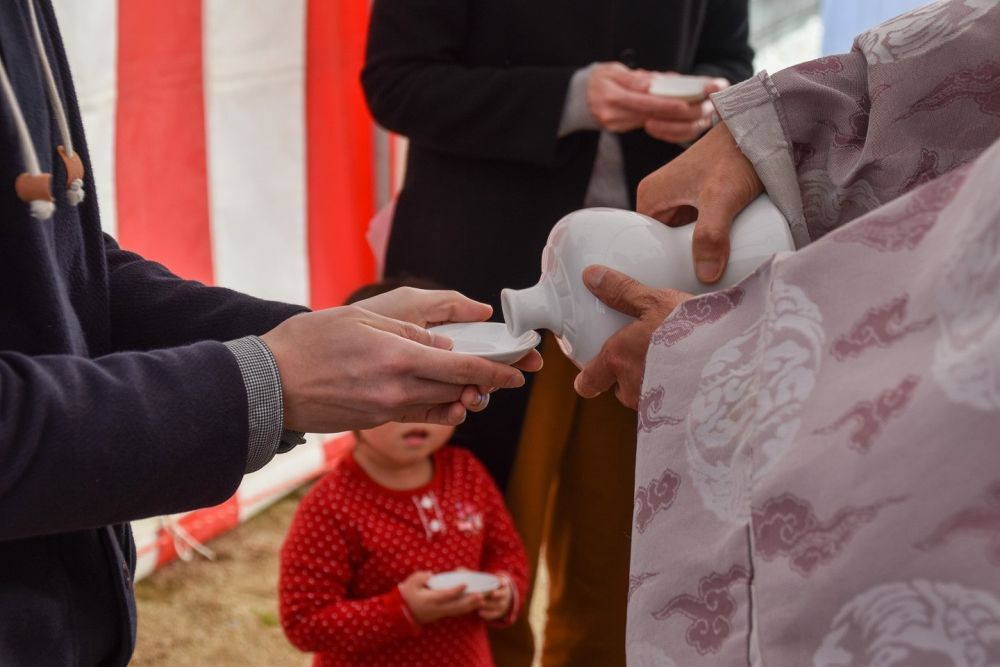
[(475, 582), (690, 88), (489, 340), (647, 250)]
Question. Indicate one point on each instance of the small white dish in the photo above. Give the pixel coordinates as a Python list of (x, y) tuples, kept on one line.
[(475, 582), (489, 340), (681, 86)]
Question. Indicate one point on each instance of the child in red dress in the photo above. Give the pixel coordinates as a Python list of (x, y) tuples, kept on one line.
[(366, 539)]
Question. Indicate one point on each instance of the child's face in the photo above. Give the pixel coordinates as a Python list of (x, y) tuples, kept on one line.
[(406, 443)]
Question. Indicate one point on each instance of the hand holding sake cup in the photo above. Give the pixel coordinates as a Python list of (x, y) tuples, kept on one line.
[(375, 361), (692, 112), (670, 107), (493, 342)]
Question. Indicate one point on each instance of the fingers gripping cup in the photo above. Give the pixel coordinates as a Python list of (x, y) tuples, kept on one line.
[(639, 246)]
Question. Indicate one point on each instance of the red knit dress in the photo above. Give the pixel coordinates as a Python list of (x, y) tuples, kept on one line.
[(353, 541)]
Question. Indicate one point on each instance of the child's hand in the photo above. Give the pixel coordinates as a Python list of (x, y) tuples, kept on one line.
[(427, 605), (497, 603)]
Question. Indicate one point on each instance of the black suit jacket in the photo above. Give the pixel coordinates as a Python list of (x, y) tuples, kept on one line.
[(478, 86)]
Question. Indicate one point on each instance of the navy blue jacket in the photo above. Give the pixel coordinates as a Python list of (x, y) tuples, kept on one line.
[(117, 400)]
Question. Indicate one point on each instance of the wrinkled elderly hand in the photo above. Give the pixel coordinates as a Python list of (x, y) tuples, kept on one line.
[(689, 120), (352, 367), (712, 177), (622, 359)]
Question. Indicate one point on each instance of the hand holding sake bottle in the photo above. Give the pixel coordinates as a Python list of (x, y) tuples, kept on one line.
[(656, 266)]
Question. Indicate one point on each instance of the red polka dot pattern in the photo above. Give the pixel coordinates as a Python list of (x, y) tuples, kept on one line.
[(353, 541)]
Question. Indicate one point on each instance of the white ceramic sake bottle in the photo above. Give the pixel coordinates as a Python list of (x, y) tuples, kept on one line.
[(639, 246)]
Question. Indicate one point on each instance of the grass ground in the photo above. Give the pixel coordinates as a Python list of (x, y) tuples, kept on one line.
[(222, 612)]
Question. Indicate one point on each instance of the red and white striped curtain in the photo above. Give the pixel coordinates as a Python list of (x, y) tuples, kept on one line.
[(230, 139)]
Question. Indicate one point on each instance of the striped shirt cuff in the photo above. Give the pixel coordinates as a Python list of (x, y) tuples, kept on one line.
[(263, 387)]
